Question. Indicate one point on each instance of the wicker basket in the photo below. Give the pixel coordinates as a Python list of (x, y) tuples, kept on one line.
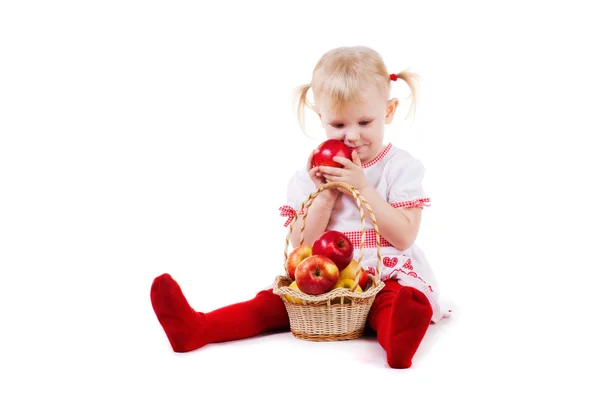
[(340, 314)]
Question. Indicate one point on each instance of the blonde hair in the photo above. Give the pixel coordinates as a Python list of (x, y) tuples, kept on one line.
[(343, 73)]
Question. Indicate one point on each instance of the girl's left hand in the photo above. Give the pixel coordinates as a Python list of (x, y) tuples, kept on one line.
[(352, 172)]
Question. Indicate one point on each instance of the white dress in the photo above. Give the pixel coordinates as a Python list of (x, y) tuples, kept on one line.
[(397, 177)]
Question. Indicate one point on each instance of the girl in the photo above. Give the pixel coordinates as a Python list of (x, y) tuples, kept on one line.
[(351, 88)]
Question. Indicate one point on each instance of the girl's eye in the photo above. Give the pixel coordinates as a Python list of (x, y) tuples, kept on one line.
[(338, 126), (363, 123)]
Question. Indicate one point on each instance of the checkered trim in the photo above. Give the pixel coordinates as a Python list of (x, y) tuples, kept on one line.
[(378, 158), (413, 203), (370, 239), (289, 212)]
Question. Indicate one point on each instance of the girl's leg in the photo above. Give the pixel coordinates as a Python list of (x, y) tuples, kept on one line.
[(400, 315), (188, 330)]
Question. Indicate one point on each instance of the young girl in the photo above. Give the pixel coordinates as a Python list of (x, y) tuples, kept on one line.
[(351, 89)]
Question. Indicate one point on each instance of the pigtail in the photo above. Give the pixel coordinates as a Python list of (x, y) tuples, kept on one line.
[(411, 80), (302, 103)]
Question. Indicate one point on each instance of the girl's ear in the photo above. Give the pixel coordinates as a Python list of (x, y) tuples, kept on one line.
[(390, 110), (317, 111)]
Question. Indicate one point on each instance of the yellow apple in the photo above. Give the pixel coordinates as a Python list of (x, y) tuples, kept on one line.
[(347, 283), (291, 299), (350, 273), (295, 258)]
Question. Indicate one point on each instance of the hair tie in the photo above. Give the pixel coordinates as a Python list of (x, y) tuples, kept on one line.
[(394, 77)]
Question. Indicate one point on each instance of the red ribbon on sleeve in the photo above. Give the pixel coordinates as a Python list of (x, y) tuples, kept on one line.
[(287, 211)]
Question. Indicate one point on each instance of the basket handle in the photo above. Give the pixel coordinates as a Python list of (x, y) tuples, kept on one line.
[(360, 202)]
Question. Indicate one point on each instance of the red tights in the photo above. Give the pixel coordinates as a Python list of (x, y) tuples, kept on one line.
[(400, 315)]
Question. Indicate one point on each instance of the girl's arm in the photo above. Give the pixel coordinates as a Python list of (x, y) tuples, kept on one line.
[(399, 226), (319, 211), (316, 222)]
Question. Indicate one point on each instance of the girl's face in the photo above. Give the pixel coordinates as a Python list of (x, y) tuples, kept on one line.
[(361, 126)]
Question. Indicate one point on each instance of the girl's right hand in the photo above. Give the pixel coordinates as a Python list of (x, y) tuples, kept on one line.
[(319, 180)]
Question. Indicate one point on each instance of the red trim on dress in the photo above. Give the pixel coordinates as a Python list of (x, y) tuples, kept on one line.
[(289, 212), (394, 272), (379, 157), (412, 203), (370, 239), (391, 262)]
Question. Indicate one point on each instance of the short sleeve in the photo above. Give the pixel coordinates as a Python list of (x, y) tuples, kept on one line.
[(299, 188), (406, 184)]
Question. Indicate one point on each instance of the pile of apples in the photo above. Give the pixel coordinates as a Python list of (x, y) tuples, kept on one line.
[(326, 265)]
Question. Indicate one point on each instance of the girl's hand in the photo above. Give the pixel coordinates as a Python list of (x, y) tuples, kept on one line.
[(352, 172), (319, 180)]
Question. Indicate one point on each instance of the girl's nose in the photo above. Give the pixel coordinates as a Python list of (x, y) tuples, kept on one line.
[(352, 134)]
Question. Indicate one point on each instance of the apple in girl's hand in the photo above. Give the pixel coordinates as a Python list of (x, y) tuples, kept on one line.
[(295, 258), (316, 275), (336, 246), (331, 148)]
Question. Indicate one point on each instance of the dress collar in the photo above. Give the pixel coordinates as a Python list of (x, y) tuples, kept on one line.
[(379, 157)]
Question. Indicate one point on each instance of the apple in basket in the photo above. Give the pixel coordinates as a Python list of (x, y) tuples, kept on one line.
[(295, 257), (350, 273), (336, 246), (331, 148), (316, 275), (293, 286), (348, 284)]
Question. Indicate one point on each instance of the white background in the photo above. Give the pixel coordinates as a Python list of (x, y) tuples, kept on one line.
[(138, 138)]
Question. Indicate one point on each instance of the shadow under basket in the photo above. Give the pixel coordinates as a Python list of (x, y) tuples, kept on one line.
[(341, 313)]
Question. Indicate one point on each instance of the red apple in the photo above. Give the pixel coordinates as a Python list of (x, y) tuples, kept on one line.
[(363, 279), (329, 149), (336, 246), (295, 257), (316, 275)]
